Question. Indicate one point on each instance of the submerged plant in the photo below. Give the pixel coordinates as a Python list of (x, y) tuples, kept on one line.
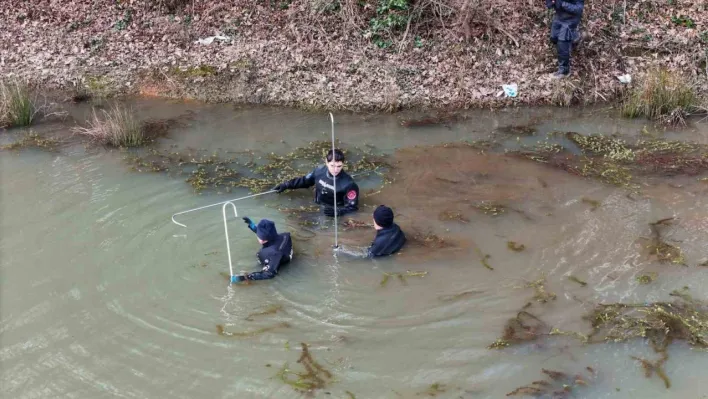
[(483, 258), (34, 140), (221, 330), (525, 327), (452, 215), (514, 246), (645, 279), (664, 251), (401, 276), (541, 294), (271, 309), (557, 385), (577, 280), (314, 377), (490, 208)]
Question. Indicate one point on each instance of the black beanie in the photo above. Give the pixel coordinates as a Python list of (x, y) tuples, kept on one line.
[(266, 230), (383, 216)]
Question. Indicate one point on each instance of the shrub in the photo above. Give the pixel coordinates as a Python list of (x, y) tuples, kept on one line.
[(17, 107), (662, 95), (117, 127)]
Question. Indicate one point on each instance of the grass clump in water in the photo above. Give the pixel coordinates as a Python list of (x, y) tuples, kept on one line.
[(662, 95), (118, 127), (17, 107)]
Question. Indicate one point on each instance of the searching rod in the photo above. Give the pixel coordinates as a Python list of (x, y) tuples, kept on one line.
[(334, 180)]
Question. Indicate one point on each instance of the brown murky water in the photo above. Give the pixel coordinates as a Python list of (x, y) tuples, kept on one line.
[(101, 295)]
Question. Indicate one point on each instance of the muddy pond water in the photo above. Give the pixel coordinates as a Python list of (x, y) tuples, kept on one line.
[(102, 296)]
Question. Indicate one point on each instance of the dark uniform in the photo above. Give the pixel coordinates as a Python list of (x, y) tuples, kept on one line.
[(347, 190), (388, 240), (275, 253), (564, 30)]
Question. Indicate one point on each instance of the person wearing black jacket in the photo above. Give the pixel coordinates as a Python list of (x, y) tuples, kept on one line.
[(322, 178), (389, 237), (564, 30), (277, 250)]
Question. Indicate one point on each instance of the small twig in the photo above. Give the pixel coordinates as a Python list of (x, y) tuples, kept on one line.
[(405, 34)]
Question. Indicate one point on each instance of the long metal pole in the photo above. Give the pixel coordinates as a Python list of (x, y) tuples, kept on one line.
[(219, 203), (226, 231), (334, 180)]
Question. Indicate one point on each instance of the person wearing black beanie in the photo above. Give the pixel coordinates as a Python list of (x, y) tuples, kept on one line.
[(277, 250), (389, 236)]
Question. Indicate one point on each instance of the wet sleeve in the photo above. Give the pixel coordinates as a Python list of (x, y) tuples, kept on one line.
[(302, 182), (573, 8), (269, 271), (351, 200), (353, 251), (376, 249)]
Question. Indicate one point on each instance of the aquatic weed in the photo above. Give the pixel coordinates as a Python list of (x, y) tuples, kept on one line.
[(221, 330), (269, 310), (664, 251), (401, 276), (33, 140), (557, 385), (514, 246), (577, 280), (314, 377)]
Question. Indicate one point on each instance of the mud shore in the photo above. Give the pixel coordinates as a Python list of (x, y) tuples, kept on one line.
[(295, 54)]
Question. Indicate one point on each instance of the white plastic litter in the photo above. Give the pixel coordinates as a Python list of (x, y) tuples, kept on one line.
[(626, 79), (208, 40), (511, 90)]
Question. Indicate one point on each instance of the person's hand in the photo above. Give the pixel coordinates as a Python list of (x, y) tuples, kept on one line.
[(237, 279), (280, 188), (249, 223)]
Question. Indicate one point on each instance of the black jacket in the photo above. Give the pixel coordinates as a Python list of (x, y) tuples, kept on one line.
[(347, 189), (567, 18), (272, 255), (387, 241)]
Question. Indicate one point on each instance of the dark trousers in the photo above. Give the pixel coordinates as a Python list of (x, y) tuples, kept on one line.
[(564, 47)]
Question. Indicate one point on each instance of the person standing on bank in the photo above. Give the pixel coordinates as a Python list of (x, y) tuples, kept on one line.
[(564, 31), (322, 177), (277, 250), (389, 237)]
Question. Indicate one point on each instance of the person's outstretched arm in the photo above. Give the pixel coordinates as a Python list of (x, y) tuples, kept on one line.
[(299, 182)]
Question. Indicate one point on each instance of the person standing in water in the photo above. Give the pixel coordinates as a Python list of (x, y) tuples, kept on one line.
[(277, 250), (322, 178), (389, 237)]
